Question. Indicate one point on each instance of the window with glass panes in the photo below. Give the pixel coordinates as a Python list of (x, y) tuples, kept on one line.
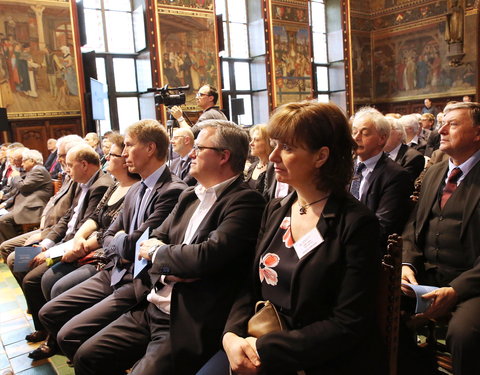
[(328, 64), (235, 59), (110, 33)]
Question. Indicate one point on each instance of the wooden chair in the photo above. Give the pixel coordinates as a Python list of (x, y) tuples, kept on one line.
[(57, 185), (388, 301), (29, 227), (438, 350)]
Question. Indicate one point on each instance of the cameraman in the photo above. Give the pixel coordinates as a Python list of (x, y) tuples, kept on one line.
[(207, 97)]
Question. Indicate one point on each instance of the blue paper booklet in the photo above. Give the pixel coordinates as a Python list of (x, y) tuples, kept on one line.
[(23, 257), (420, 290), (142, 263)]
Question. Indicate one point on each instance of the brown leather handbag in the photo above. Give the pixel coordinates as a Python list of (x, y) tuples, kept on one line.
[(265, 320)]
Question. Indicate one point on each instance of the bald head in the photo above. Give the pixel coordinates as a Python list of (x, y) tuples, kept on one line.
[(182, 141)]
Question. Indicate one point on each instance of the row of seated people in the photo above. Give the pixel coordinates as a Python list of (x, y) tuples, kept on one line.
[(203, 274)]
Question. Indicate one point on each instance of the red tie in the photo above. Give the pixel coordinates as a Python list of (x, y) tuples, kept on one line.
[(53, 166), (450, 186)]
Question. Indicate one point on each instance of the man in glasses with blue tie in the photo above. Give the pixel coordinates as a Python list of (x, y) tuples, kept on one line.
[(85, 309), (441, 241)]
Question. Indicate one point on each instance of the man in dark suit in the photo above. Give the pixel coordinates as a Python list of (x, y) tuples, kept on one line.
[(412, 129), (380, 183), (441, 241), (398, 151), (52, 148), (182, 143), (32, 192), (200, 254), (88, 307), (84, 167)]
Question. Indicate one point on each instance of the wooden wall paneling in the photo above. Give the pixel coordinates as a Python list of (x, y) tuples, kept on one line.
[(34, 137), (35, 133)]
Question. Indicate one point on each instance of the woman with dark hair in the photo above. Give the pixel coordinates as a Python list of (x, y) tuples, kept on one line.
[(260, 148), (86, 248), (317, 258)]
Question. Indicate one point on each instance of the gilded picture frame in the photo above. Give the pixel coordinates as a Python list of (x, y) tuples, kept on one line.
[(38, 62)]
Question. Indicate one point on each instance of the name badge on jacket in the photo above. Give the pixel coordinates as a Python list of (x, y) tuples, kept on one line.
[(308, 242)]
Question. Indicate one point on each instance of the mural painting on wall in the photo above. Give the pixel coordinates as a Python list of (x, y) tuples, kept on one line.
[(286, 13), (362, 67), (38, 75), (420, 66), (196, 4), (188, 52), (292, 63)]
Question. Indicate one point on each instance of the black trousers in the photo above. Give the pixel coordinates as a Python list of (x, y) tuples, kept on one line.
[(82, 311), (139, 338)]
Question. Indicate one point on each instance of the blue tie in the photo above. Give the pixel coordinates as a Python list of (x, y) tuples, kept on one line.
[(138, 216), (357, 180)]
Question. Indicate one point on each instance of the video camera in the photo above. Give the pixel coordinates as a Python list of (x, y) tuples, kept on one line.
[(164, 97)]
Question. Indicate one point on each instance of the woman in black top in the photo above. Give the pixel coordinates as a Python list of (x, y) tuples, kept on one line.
[(317, 257), (260, 148)]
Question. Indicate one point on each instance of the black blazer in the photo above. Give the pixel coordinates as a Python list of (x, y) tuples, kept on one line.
[(420, 146), (51, 158), (259, 183), (184, 175), (410, 159), (220, 255), (467, 283), (94, 194), (331, 323), (433, 143), (388, 196)]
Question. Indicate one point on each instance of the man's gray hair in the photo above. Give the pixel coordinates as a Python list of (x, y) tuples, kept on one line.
[(379, 120), (34, 155), (18, 151), (231, 137), (474, 108), (397, 127), (410, 121), (70, 141)]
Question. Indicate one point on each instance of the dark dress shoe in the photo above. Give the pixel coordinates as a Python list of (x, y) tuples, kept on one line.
[(44, 351), (36, 336)]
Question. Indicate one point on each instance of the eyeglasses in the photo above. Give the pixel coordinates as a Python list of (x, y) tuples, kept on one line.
[(200, 94), (110, 154), (197, 149)]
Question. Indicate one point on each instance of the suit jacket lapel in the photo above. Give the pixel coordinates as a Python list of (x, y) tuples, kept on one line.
[(160, 182), (98, 175), (401, 152), (185, 168), (373, 177), (429, 196), (209, 214), (473, 196)]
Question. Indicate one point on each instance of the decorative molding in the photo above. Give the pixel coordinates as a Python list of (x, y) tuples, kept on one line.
[(43, 114)]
